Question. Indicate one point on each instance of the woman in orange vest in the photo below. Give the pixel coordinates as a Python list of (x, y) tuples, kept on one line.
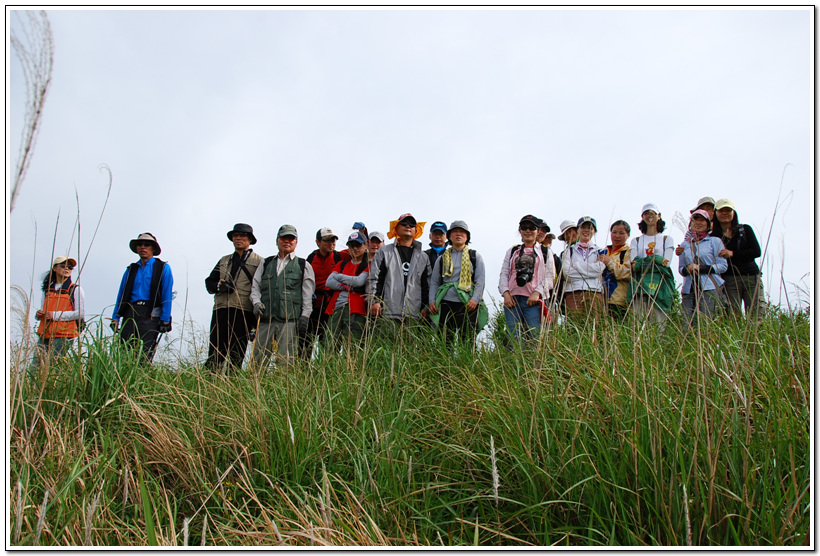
[(61, 313)]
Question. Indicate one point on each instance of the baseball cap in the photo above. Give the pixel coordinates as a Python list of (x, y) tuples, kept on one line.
[(650, 206), (377, 235), (703, 201), (356, 236), (62, 259), (585, 219), (407, 217), (530, 219), (440, 226), (325, 233), (724, 203), (287, 230)]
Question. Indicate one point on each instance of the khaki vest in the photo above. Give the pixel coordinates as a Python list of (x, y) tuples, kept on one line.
[(241, 297)]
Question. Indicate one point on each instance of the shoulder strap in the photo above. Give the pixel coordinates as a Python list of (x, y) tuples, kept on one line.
[(471, 253), (156, 279), (311, 257), (129, 283), (336, 257), (301, 266), (623, 254), (71, 289), (342, 268)]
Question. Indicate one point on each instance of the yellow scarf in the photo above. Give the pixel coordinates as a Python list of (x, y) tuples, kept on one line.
[(465, 278)]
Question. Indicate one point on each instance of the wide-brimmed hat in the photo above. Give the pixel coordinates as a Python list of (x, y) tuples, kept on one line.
[(566, 225), (406, 217), (147, 236), (461, 225), (724, 203), (703, 201), (62, 259), (243, 229)]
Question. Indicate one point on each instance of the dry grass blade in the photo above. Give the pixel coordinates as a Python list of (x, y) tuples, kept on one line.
[(41, 522)]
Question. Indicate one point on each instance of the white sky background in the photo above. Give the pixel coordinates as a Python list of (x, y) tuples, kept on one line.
[(325, 117)]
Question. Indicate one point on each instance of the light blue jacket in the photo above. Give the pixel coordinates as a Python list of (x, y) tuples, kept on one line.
[(711, 265)]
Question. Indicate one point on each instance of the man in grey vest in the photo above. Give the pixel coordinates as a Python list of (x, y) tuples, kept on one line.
[(230, 283), (282, 297)]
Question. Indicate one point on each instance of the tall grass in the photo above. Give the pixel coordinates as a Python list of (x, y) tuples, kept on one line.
[(596, 435)]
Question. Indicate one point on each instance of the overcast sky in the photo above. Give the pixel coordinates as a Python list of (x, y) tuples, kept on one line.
[(325, 117)]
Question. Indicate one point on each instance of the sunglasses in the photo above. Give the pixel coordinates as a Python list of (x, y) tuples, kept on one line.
[(143, 244), (527, 228), (64, 265)]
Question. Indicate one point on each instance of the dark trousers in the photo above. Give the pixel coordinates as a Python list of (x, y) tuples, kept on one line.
[(139, 329), (317, 328), (230, 331), (456, 319)]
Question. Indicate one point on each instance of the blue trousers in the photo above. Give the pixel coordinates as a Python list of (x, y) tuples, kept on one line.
[(523, 321)]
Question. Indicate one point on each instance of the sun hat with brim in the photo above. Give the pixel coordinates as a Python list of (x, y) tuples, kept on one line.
[(461, 225), (703, 201), (287, 230), (700, 212), (246, 229), (724, 203), (566, 225), (410, 219), (147, 236), (63, 259), (357, 237), (585, 219), (650, 206)]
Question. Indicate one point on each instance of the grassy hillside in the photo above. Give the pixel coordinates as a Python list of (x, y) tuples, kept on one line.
[(596, 436)]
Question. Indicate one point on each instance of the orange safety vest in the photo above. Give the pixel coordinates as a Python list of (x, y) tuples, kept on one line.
[(58, 300)]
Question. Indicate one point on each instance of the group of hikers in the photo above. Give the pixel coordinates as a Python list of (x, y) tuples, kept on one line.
[(284, 304)]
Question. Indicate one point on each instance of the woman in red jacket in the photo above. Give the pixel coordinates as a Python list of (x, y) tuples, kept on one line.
[(61, 312)]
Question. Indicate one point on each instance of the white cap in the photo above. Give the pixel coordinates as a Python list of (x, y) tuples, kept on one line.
[(377, 235), (650, 206)]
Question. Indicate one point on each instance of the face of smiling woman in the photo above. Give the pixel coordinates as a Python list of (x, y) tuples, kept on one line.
[(586, 231)]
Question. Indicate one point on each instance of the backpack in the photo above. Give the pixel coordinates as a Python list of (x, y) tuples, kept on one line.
[(471, 253)]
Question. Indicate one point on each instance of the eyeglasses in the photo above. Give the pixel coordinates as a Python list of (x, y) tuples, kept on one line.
[(527, 228)]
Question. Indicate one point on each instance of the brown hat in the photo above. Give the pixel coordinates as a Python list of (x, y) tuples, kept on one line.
[(147, 236)]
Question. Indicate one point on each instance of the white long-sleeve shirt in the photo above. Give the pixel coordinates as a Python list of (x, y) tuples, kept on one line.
[(79, 306)]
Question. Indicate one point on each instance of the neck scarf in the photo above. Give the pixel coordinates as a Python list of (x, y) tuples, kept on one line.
[(465, 278), (693, 236)]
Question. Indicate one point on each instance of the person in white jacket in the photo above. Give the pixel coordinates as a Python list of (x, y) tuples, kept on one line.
[(582, 266)]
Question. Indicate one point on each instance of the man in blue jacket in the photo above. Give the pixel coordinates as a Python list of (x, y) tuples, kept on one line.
[(144, 298)]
